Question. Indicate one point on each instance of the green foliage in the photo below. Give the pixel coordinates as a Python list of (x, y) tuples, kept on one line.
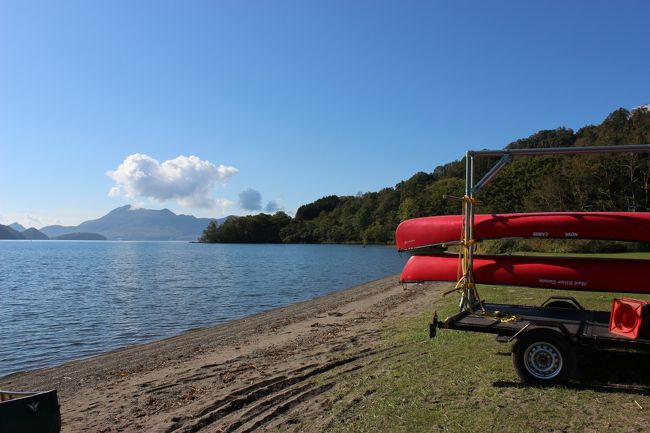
[(317, 208), (261, 228), (617, 182)]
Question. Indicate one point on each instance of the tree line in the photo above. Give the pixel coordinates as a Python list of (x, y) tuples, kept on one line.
[(612, 182)]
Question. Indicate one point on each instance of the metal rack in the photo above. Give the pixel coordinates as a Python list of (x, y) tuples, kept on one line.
[(470, 300)]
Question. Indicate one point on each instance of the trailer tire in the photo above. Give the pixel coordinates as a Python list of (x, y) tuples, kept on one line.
[(544, 357)]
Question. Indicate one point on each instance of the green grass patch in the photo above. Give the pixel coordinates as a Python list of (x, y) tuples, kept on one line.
[(465, 382)]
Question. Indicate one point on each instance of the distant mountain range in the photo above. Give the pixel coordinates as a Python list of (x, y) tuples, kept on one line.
[(131, 223), (124, 223), (8, 232), (32, 234)]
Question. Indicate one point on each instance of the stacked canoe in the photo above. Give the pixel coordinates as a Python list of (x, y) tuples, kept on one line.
[(592, 274)]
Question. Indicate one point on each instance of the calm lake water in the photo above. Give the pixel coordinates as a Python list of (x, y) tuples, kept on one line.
[(64, 300)]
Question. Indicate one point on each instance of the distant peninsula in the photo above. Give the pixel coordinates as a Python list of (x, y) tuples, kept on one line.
[(80, 237)]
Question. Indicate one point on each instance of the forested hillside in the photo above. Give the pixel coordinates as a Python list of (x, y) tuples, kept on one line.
[(619, 182)]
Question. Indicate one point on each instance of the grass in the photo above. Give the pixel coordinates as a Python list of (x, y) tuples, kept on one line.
[(465, 382)]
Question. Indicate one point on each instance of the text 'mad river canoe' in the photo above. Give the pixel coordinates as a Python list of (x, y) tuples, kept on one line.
[(436, 230), (570, 273)]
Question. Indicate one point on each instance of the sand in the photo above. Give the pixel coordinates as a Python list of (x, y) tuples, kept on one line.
[(267, 371)]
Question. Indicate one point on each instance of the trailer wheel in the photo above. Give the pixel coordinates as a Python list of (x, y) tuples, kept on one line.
[(543, 358)]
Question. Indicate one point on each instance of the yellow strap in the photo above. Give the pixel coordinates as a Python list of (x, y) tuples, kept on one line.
[(501, 317), (468, 199)]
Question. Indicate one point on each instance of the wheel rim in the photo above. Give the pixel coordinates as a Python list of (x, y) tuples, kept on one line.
[(543, 360)]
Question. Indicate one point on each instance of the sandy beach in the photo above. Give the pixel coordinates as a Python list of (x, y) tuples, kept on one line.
[(264, 372)]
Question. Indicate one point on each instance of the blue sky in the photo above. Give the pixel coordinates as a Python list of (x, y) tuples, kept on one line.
[(283, 102)]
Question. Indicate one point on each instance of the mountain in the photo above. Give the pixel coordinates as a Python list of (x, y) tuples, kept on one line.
[(7, 232), (57, 230), (131, 223), (33, 234), (17, 227)]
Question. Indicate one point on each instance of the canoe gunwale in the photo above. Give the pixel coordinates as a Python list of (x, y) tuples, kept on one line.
[(446, 229), (6, 395)]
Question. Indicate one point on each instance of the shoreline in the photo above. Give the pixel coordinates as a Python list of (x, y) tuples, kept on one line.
[(171, 384)]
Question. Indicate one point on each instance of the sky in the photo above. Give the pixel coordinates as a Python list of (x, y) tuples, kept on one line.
[(215, 108)]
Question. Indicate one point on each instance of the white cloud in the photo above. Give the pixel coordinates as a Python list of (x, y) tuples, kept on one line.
[(28, 220), (32, 221), (188, 180), (222, 205), (250, 199)]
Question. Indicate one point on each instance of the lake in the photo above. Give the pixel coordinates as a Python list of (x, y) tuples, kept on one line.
[(65, 300)]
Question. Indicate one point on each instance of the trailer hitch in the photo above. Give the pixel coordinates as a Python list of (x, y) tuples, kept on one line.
[(433, 326)]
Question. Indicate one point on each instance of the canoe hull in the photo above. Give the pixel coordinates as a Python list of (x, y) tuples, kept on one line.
[(33, 412), (436, 230), (590, 274)]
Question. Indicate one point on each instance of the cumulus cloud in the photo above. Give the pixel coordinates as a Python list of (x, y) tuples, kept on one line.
[(187, 180), (222, 205), (250, 199), (272, 206), (32, 221)]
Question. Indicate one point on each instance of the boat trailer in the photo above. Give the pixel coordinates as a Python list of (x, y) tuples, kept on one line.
[(547, 338)]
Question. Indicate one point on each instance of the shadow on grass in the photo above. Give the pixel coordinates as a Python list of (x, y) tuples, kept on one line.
[(606, 372)]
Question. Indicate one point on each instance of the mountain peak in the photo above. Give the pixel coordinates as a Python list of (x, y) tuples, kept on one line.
[(136, 208), (18, 227), (120, 209), (129, 222), (34, 234)]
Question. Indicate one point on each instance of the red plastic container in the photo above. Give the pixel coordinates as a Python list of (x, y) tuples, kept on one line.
[(629, 318)]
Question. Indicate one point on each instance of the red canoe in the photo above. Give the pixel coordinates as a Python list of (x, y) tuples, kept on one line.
[(436, 230), (607, 275)]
